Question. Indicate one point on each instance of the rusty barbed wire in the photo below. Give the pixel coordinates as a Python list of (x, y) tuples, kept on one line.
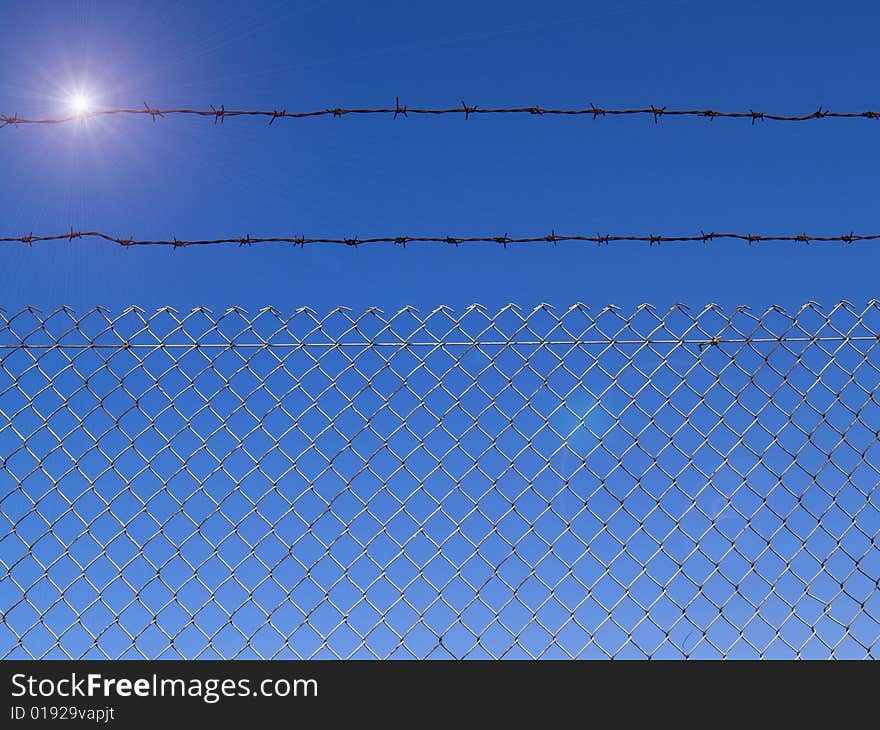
[(221, 113), (553, 237)]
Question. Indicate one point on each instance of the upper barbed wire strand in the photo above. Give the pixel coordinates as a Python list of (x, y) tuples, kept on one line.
[(221, 113), (504, 240)]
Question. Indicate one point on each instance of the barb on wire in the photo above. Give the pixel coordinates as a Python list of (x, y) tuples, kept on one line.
[(504, 240), (221, 113)]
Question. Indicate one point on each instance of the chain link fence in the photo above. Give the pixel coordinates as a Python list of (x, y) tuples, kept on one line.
[(519, 483)]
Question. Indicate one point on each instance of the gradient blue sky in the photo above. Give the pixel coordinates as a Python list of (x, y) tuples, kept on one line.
[(367, 176)]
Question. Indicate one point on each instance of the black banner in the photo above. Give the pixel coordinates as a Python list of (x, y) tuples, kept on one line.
[(407, 693)]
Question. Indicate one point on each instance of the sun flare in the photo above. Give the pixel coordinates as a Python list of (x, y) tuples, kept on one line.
[(80, 104)]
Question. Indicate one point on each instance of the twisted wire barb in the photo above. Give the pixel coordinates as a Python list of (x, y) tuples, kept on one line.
[(554, 238), (221, 113)]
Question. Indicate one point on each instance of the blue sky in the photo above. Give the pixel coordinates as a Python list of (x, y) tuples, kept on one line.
[(364, 176)]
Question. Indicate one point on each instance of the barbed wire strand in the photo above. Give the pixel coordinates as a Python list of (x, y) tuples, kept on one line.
[(553, 238), (221, 113)]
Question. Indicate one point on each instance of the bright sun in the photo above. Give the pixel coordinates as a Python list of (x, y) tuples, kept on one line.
[(80, 104)]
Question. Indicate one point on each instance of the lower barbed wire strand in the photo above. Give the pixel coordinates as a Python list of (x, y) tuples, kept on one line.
[(504, 240)]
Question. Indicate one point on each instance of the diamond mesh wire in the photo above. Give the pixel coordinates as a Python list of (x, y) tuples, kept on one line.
[(519, 483)]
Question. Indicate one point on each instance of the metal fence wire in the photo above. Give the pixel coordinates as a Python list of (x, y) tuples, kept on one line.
[(517, 483), (219, 114)]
